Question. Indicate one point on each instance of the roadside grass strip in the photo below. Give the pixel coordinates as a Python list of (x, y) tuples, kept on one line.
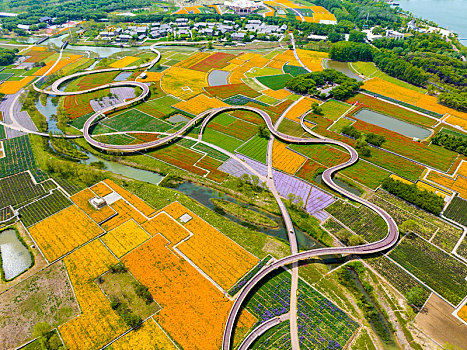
[(159, 106), (124, 238), (134, 120), (12, 87), (148, 336), (321, 324), (194, 310), (97, 324), (43, 208), (284, 159), (81, 199), (211, 251), (225, 141), (392, 110), (256, 149), (409, 96), (184, 82), (217, 60), (274, 82), (63, 232), (440, 271), (226, 91), (123, 62), (199, 104), (457, 211)]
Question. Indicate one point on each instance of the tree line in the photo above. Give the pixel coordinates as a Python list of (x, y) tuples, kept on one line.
[(423, 199), (454, 143)]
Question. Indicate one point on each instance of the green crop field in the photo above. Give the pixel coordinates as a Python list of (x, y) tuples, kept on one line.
[(361, 219), (117, 139), (294, 70), (290, 127), (333, 109), (43, 208), (18, 190), (341, 123), (457, 211), (320, 322), (2, 132), (267, 99), (256, 148), (324, 154), (439, 270), (134, 120), (224, 119), (274, 82), (78, 123), (227, 142), (5, 76), (211, 152), (366, 173)]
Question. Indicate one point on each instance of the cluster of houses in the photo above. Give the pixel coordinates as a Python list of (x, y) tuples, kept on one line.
[(183, 28)]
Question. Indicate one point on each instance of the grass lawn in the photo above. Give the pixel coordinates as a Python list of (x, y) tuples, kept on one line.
[(227, 142), (121, 287), (134, 120), (256, 148), (333, 109), (274, 82), (365, 68), (337, 126)]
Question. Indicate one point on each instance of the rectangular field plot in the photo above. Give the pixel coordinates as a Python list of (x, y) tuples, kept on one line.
[(194, 311), (81, 199), (366, 173), (180, 157), (159, 106), (226, 91), (134, 120), (327, 155), (211, 151), (457, 211), (227, 142), (256, 149), (18, 156), (211, 165), (43, 208), (440, 271), (238, 128), (124, 238), (19, 189), (275, 82), (333, 109), (64, 231), (321, 324)]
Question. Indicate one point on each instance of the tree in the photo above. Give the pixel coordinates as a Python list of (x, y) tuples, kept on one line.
[(356, 240), (316, 108), (416, 296), (357, 36), (210, 46), (40, 329), (374, 139), (263, 131)]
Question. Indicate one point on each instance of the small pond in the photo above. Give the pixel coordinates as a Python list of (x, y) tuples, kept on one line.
[(49, 111), (343, 67), (319, 179), (393, 124), (15, 256), (204, 194), (123, 76), (218, 77)]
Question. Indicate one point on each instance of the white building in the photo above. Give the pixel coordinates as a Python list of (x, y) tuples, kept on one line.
[(243, 6)]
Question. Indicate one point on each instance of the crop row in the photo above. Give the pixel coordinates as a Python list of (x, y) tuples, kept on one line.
[(18, 156), (43, 208), (6, 213), (19, 189)]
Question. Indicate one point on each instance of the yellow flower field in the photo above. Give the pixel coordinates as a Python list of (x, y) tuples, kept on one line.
[(299, 108), (166, 226), (125, 237), (97, 324), (218, 256), (152, 76), (456, 121), (276, 64), (456, 182), (230, 67), (125, 212), (312, 59), (285, 159), (81, 199), (193, 59), (12, 87), (199, 104), (101, 189), (463, 313), (279, 94), (148, 336), (124, 62), (137, 202), (287, 56), (63, 62), (183, 82), (64, 231)]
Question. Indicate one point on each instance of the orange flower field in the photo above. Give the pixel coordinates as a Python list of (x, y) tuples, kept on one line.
[(312, 59), (148, 336), (279, 94), (63, 62), (286, 160), (463, 313), (125, 237), (183, 82), (81, 199), (152, 76), (12, 87), (97, 324), (63, 232), (193, 310), (212, 251), (125, 212), (299, 108), (137, 202), (199, 104), (101, 189), (166, 226), (456, 182), (123, 62)]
